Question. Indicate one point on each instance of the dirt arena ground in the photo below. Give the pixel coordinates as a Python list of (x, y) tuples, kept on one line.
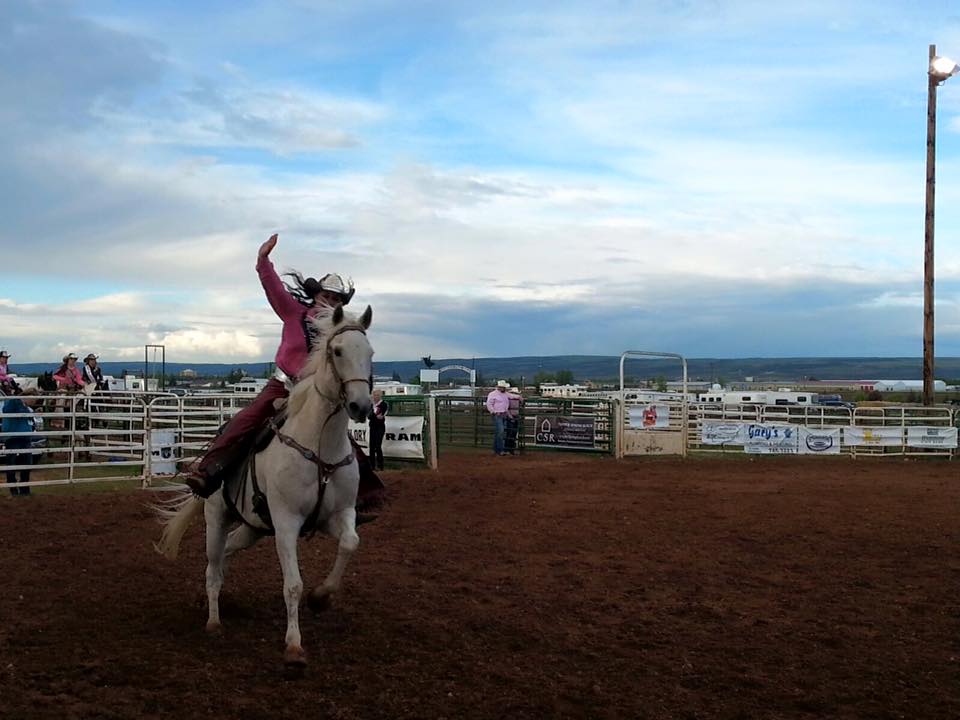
[(536, 587)]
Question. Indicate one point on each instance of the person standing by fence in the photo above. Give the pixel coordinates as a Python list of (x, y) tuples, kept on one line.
[(18, 446), (498, 405), (512, 429), (378, 427)]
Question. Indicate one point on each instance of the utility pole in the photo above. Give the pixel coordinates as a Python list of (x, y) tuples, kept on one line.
[(928, 357)]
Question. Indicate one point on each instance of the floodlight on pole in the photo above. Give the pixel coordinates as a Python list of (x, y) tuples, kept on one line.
[(942, 68), (938, 70)]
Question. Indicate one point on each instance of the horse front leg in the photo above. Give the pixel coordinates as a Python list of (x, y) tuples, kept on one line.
[(287, 532), (342, 526), (215, 515)]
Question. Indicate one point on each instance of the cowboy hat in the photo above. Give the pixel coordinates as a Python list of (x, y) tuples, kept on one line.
[(502, 384), (91, 356), (4, 353), (70, 356), (331, 282)]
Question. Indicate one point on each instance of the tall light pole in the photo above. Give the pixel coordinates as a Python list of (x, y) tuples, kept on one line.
[(939, 69)]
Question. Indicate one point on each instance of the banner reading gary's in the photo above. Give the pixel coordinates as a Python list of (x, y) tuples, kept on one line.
[(564, 431)]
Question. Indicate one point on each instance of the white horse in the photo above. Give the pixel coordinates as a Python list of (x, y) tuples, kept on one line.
[(308, 467)]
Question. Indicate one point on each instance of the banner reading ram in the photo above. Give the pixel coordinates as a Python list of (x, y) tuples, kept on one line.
[(403, 438)]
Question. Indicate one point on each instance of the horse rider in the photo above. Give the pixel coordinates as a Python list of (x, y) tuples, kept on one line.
[(92, 374), (294, 303), (68, 375), (8, 386)]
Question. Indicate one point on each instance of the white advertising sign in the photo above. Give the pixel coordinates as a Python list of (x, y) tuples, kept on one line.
[(403, 438), (932, 437), (718, 432), (649, 417), (819, 441), (873, 436), (770, 439)]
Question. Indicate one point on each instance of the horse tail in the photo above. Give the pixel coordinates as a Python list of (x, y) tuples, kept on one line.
[(175, 515)]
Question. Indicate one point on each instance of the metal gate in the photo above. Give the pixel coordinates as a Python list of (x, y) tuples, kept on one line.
[(652, 427)]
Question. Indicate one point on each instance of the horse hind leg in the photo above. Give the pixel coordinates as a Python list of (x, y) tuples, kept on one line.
[(215, 514), (342, 527)]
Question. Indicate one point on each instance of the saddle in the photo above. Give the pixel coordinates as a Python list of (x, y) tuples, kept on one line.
[(369, 493)]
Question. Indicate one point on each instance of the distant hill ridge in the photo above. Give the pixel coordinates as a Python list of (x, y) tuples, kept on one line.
[(597, 367)]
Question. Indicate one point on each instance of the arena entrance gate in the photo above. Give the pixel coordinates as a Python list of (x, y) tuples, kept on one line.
[(652, 423)]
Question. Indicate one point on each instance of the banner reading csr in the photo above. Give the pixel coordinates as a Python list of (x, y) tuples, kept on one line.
[(403, 438)]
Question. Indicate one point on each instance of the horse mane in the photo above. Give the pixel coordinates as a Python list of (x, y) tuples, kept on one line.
[(319, 328)]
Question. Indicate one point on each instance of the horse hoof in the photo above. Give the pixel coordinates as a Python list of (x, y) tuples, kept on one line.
[(318, 601), (214, 628), (294, 657)]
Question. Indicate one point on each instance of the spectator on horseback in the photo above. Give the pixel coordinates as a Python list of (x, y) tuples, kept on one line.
[(68, 375), (92, 374), (8, 386), (294, 303)]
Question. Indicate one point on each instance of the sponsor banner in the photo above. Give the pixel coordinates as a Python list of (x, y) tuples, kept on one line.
[(649, 417), (717, 432), (819, 441), (873, 436), (932, 437), (564, 431), (770, 439), (403, 438)]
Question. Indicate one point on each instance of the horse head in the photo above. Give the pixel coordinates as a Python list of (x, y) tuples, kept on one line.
[(348, 360)]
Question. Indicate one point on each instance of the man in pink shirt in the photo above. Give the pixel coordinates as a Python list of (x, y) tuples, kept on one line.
[(498, 405), (293, 304)]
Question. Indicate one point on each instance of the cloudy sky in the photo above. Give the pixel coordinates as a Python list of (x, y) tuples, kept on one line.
[(713, 178)]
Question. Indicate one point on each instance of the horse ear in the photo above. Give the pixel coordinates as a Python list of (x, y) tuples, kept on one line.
[(366, 318), (338, 314)]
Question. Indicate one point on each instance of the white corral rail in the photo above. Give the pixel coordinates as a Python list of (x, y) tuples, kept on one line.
[(118, 435)]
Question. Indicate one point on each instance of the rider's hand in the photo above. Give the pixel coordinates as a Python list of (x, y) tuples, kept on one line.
[(267, 246)]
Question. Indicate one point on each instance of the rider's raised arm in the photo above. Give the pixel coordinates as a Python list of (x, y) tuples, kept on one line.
[(282, 302)]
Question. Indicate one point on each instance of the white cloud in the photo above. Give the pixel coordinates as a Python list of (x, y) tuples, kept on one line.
[(193, 345)]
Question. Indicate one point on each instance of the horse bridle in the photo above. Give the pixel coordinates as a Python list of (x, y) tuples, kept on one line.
[(325, 470), (340, 400)]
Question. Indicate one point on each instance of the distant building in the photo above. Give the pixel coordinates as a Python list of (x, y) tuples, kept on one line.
[(398, 388), (131, 382), (248, 386), (188, 374), (562, 391)]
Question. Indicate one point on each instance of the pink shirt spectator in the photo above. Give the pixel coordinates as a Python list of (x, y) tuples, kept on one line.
[(293, 351), (69, 379), (498, 403), (4, 373), (515, 401)]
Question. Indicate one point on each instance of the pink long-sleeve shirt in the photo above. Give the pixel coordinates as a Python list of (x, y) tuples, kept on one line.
[(4, 373), (498, 403), (294, 350), (69, 378)]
